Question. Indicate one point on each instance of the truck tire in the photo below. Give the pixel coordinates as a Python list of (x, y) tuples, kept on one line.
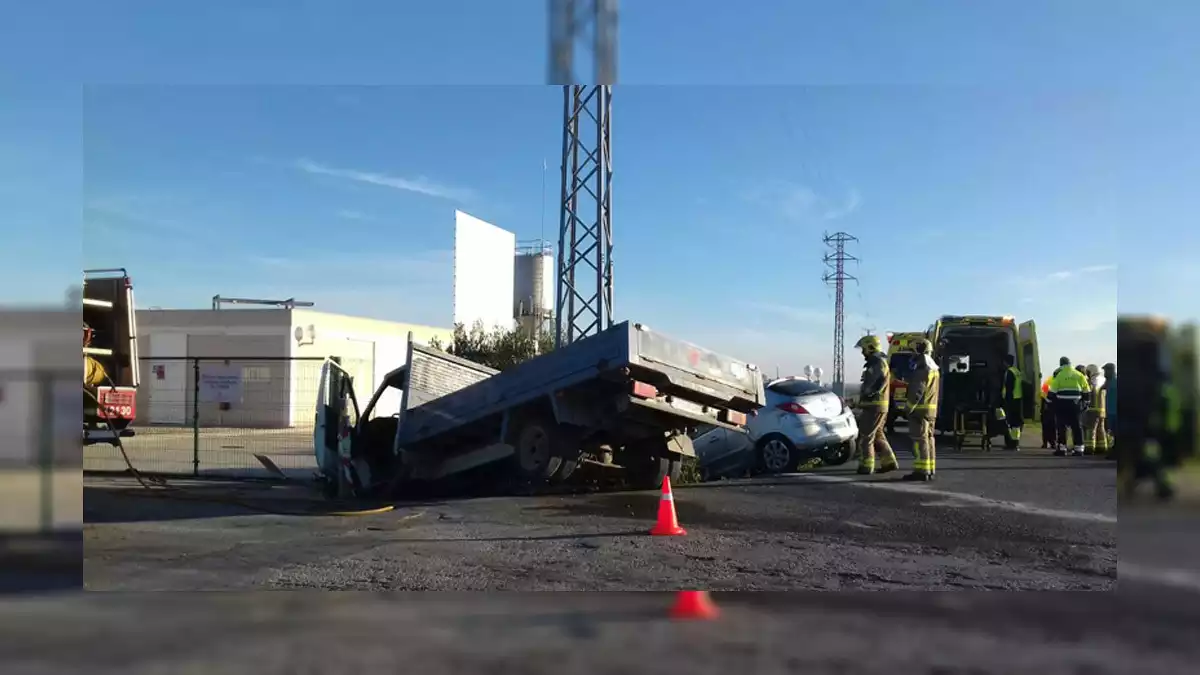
[(646, 472), (544, 452)]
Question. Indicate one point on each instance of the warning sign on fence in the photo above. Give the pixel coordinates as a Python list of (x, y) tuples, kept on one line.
[(220, 384)]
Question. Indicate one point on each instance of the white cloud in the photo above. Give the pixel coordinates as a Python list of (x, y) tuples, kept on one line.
[(130, 213), (1063, 275), (347, 214), (802, 203), (419, 185), (432, 266)]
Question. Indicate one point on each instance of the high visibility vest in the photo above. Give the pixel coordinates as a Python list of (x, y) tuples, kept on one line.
[(1068, 384), (1016, 393)]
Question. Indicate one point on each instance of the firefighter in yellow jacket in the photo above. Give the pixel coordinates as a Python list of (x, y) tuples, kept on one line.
[(924, 382), (873, 404), (1095, 433)]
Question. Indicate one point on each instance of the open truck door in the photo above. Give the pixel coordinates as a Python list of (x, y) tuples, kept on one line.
[(336, 415), (1031, 369)]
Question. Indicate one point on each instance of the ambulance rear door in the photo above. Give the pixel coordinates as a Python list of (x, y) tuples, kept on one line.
[(1029, 361)]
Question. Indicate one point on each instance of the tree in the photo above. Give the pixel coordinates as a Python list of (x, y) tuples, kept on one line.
[(498, 348)]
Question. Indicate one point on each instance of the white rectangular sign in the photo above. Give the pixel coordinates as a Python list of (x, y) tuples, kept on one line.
[(220, 384), (483, 273)]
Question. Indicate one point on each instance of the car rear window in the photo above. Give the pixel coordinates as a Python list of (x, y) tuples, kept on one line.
[(797, 388)]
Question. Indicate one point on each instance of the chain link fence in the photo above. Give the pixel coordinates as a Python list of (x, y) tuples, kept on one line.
[(41, 484), (214, 417)]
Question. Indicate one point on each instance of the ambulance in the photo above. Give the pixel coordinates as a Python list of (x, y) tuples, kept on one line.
[(970, 351)]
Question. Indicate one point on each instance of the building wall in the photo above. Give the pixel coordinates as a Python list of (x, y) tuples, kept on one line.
[(369, 349), (256, 341), (280, 353)]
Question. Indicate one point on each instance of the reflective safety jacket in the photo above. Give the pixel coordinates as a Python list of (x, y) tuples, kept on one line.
[(1012, 384), (93, 372), (1099, 396), (1069, 384), (876, 382), (923, 387)]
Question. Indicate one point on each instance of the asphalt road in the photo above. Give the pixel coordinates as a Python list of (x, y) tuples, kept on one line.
[(567, 633), (1008, 522)]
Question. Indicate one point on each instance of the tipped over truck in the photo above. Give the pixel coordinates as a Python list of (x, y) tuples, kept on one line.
[(623, 399)]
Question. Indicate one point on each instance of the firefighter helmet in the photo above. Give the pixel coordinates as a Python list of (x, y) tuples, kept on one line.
[(922, 346), (869, 343)]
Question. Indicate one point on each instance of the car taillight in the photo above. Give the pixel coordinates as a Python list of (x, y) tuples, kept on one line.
[(793, 408)]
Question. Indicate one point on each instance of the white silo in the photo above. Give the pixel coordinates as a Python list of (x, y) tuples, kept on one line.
[(533, 285)]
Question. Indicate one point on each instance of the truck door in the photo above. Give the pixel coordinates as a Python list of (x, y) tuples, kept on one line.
[(1031, 367), (336, 413)]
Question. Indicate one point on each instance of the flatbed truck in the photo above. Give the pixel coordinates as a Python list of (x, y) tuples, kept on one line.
[(623, 399)]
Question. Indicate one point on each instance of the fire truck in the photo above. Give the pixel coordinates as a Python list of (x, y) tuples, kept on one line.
[(110, 356)]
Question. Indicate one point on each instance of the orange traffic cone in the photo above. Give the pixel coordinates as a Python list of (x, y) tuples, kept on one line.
[(668, 524), (694, 605)]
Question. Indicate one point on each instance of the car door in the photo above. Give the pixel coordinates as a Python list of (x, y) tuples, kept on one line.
[(711, 443)]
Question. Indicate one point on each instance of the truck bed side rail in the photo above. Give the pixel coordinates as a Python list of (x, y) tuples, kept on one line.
[(696, 373)]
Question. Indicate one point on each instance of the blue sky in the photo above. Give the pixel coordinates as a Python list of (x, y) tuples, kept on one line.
[(990, 159)]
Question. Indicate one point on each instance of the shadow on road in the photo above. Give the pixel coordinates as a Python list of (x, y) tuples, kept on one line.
[(547, 537), (41, 563)]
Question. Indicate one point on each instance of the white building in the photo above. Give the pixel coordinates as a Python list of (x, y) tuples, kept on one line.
[(266, 363)]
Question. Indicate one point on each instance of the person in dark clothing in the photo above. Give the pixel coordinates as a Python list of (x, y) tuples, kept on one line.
[(1049, 426), (1012, 400)]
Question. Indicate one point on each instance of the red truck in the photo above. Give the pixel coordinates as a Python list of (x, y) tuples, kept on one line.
[(110, 355)]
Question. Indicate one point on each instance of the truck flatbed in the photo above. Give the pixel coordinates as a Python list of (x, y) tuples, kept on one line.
[(627, 394)]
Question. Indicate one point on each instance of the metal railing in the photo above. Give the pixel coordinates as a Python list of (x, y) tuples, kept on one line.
[(214, 416)]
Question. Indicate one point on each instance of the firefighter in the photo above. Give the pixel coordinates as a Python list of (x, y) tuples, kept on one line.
[(1012, 397), (1049, 428), (1068, 389), (924, 383), (873, 404), (1110, 406), (1095, 436), (93, 371)]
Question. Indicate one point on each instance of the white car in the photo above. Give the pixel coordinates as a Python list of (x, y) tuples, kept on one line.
[(801, 420)]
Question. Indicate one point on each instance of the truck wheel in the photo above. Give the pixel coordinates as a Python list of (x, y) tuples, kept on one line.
[(648, 472), (536, 458)]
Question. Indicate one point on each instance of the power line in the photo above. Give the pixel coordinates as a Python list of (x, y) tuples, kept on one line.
[(837, 276)]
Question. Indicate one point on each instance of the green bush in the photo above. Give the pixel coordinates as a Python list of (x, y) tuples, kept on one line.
[(498, 348)]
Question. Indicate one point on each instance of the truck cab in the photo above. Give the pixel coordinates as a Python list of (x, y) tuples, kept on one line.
[(900, 353), (970, 351), (110, 343)]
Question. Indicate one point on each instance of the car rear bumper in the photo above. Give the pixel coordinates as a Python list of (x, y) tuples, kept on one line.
[(814, 434)]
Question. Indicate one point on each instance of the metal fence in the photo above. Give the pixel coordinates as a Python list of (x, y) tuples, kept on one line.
[(41, 485), (203, 416)]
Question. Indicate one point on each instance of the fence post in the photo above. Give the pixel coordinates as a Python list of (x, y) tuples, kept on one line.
[(46, 449), (196, 417)]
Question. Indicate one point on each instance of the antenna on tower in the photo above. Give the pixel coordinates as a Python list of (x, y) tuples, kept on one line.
[(835, 260)]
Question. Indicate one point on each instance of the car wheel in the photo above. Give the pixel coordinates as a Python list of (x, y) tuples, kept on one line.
[(838, 454), (776, 454)]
